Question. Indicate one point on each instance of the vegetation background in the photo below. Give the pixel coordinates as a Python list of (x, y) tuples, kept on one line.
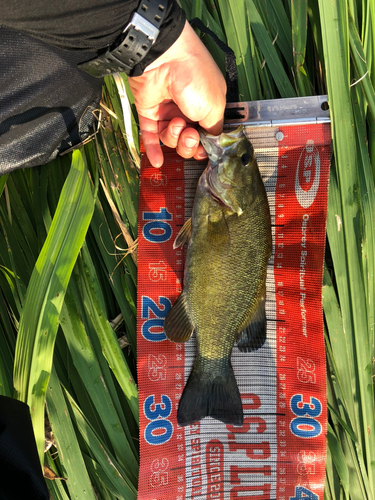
[(68, 287)]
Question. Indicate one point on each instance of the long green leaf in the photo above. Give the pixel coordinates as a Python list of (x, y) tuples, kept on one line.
[(235, 22), (334, 17), (276, 21), (269, 52), (362, 69), (105, 459), (107, 337), (46, 291), (299, 36), (70, 457), (3, 180), (98, 384), (338, 459)]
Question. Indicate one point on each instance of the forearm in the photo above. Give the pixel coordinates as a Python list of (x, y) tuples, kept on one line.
[(88, 25)]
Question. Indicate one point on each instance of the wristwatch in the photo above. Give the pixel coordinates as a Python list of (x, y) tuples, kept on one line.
[(136, 40)]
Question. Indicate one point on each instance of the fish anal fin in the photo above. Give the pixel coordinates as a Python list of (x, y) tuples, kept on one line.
[(177, 325), (211, 392), (253, 335), (183, 235)]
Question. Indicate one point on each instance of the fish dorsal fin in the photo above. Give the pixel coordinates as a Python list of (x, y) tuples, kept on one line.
[(252, 331), (177, 325), (184, 235)]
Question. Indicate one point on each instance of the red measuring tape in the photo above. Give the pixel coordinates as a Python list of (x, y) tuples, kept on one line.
[(279, 451)]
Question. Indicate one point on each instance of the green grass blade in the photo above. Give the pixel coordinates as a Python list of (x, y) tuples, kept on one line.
[(39, 186), (211, 19), (96, 471), (123, 123), (338, 459), (3, 180), (362, 69), (6, 363), (72, 465), (122, 186), (14, 247), (277, 23), (197, 9), (45, 294), (10, 292), (108, 340), (343, 429), (336, 41), (101, 230), (98, 384), (235, 24), (271, 57), (332, 485), (55, 487), (130, 137), (344, 346), (313, 12), (111, 468), (367, 197), (22, 218), (299, 37)]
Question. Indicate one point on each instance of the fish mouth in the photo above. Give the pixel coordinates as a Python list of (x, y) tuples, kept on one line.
[(214, 186), (212, 146), (221, 150), (217, 145)]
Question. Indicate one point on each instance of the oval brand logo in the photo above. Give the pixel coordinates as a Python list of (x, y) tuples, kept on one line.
[(307, 176)]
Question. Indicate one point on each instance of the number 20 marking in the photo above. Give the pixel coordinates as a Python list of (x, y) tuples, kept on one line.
[(152, 328)]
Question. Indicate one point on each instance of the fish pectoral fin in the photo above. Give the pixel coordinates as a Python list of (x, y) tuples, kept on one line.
[(253, 336), (183, 235), (177, 325), (218, 234)]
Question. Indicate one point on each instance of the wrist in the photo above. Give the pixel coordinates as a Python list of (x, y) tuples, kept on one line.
[(180, 50), (170, 31), (151, 30)]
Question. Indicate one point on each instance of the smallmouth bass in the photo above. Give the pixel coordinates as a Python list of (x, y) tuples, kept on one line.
[(224, 290)]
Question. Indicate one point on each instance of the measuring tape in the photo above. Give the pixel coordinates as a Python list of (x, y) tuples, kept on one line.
[(279, 451)]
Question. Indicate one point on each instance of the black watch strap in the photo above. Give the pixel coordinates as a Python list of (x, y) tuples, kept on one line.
[(137, 39)]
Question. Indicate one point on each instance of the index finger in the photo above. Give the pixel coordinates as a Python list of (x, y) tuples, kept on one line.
[(216, 128), (150, 137)]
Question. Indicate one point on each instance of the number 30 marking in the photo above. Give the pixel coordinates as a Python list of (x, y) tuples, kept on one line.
[(305, 425)]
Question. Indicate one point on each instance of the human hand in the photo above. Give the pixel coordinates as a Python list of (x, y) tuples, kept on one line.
[(182, 87)]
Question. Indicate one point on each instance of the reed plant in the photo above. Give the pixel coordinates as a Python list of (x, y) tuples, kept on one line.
[(68, 285)]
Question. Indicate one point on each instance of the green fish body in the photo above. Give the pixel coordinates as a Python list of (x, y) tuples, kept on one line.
[(223, 297)]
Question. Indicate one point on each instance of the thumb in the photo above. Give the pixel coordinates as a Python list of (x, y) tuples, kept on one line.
[(213, 125)]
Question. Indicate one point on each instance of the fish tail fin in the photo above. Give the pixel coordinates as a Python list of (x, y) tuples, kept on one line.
[(211, 391)]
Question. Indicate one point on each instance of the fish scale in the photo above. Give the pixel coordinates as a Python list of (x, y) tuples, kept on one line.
[(223, 297), (232, 275)]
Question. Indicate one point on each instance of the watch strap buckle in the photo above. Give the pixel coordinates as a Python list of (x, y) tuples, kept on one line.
[(138, 37)]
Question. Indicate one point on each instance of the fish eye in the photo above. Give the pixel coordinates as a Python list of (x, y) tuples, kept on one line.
[(245, 158)]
